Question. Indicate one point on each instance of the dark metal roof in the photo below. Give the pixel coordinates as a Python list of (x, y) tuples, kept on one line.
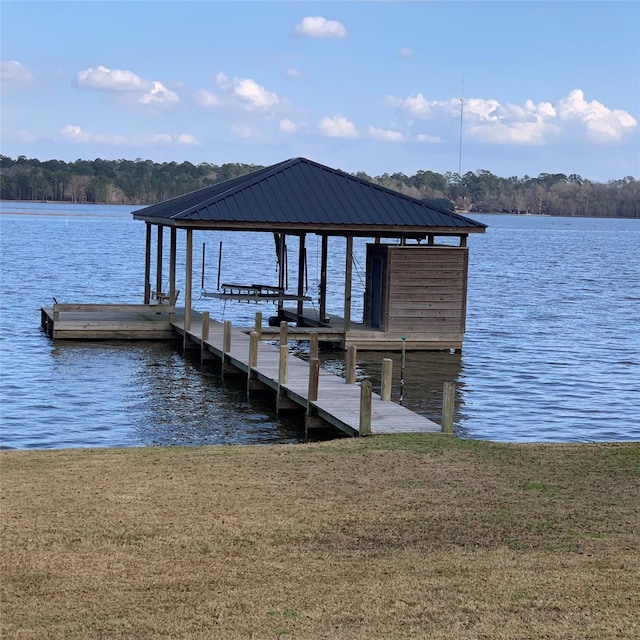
[(302, 195)]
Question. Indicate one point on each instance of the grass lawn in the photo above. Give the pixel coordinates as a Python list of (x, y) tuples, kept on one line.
[(402, 537)]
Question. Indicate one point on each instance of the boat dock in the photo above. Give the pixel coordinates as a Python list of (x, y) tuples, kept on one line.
[(325, 398)]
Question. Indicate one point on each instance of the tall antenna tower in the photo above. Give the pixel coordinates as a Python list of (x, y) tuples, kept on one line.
[(461, 115)]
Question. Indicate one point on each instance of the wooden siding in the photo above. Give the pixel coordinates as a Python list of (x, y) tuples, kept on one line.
[(427, 289), (421, 293)]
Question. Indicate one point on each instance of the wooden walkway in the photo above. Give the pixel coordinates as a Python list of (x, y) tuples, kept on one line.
[(338, 403)]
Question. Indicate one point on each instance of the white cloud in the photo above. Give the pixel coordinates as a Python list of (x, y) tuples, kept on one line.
[(104, 79), (292, 73), (247, 92), (74, 133), (602, 124), (15, 73), (487, 120), (422, 137), (132, 87), (288, 126), (254, 94), (417, 106), (159, 95), (529, 124), (319, 27), (386, 134), (207, 99), (187, 139), (337, 127), (406, 52)]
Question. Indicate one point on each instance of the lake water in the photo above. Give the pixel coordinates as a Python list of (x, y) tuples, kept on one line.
[(551, 353)]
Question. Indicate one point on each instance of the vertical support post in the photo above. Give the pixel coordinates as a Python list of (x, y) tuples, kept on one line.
[(187, 280), (314, 378), (301, 271), (254, 341), (463, 241), (205, 327), (350, 373), (172, 266), (226, 337), (253, 350), (159, 247), (204, 335), (448, 406), (323, 277), (387, 377), (257, 325), (402, 365), (282, 249), (147, 265), (284, 332), (283, 365), (313, 345), (348, 271), (365, 408), (282, 401)]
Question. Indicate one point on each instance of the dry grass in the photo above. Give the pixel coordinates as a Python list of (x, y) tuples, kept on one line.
[(395, 538)]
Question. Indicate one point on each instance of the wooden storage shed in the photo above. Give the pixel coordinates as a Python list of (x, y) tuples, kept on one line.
[(418, 292)]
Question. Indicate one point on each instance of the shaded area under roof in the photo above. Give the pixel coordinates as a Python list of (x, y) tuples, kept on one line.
[(299, 195)]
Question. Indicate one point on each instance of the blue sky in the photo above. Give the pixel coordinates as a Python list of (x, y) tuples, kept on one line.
[(363, 86)]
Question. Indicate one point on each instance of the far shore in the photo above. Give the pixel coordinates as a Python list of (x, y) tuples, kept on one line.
[(404, 537)]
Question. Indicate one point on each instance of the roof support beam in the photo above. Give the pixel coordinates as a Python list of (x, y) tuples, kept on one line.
[(159, 248), (348, 270), (323, 277), (188, 279), (302, 266), (147, 265), (282, 259), (172, 265)]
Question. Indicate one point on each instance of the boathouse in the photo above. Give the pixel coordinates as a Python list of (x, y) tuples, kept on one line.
[(415, 283)]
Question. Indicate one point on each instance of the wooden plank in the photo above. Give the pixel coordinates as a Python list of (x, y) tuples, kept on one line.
[(85, 334), (129, 308), (425, 304)]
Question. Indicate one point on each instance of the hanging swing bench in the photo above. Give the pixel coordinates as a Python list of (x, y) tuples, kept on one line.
[(256, 292), (253, 293)]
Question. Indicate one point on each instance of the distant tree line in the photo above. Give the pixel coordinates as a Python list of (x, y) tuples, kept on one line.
[(142, 182)]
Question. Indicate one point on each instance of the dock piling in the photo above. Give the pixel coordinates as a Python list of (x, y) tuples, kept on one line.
[(258, 324), (387, 376), (283, 364), (448, 405), (314, 377), (313, 345), (254, 337), (365, 408), (205, 327), (350, 374), (226, 337)]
